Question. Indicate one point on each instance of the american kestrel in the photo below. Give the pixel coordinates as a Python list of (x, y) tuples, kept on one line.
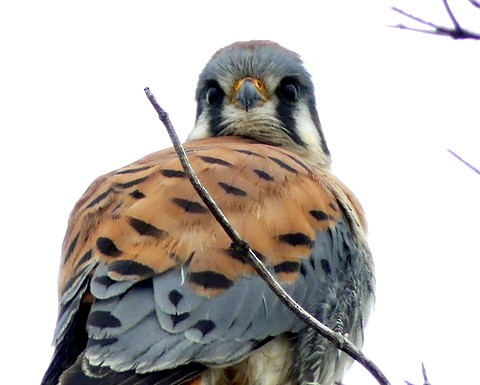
[(151, 291)]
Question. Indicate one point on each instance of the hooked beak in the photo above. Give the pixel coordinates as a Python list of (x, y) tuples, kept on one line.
[(249, 93)]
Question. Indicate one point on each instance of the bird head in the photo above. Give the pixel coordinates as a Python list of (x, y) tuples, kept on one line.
[(260, 90)]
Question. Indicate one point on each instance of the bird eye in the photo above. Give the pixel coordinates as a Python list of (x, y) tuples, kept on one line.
[(214, 95), (288, 90)]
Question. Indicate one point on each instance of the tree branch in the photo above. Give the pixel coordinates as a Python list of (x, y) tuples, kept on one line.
[(464, 161), (425, 378), (450, 14), (338, 340), (457, 32), (475, 3)]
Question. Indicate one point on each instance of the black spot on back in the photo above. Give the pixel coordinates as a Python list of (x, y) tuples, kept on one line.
[(236, 254), (213, 160), (105, 280), (177, 318), (249, 153), (325, 266), (229, 189), (205, 326), (333, 206), (287, 267), (100, 198), (173, 173), (129, 267), (102, 342), (107, 247), (296, 239), (103, 319), (319, 215), (283, 165), (259, 255), (190, 206), (263, 175), (132, 170), (210, 280), (175, 297), (303, 271), (86, 257), (131, 183), (137, 194), (71, 247), (144, 228), (300, 163)]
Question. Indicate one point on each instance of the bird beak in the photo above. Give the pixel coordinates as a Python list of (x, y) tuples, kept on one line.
[(249, 93)]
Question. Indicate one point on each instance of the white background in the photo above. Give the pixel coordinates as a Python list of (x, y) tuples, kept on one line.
[(391, 102)]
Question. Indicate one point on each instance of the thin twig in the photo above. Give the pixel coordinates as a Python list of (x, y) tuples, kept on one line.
[(416, 18), (425, 379), (450, 14), (458, 32), (464, 161), (337, 339), (475, 3), (424, 372)]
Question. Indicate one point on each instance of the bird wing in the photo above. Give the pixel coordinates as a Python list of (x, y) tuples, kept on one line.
[(150, 282)]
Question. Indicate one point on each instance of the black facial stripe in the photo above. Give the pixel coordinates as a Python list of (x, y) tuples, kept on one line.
[(316, 121), (285, 112), (214, 111)]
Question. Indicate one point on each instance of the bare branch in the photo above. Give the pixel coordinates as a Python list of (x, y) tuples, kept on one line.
[(457, 32), (475, 3), (338, 340), (425, 379), (410, 16), (424, 372), (464, 161), (450, 14)]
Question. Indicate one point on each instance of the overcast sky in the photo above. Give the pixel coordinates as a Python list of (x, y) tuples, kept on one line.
[(391, 102)]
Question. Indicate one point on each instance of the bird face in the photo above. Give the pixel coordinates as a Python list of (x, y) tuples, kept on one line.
[(262, 91)]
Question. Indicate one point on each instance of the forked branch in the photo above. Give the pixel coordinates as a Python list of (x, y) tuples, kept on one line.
[(455, 32), (338, 340), (425, 378)]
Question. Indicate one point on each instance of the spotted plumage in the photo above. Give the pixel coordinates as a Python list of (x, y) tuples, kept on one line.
[(152, 291)]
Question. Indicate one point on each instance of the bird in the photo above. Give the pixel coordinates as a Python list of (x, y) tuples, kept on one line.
[(151, 289)]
